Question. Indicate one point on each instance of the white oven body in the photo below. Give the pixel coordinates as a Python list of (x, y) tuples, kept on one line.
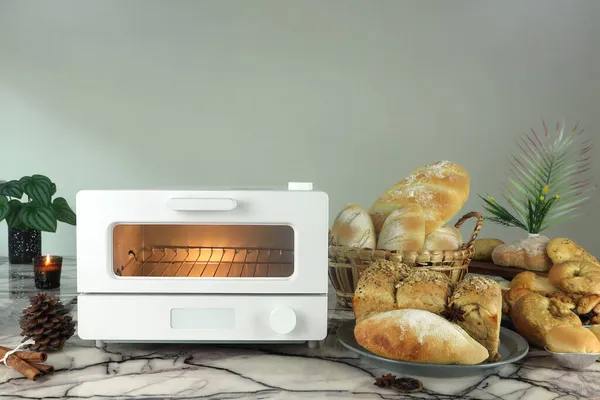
[(149, 306)]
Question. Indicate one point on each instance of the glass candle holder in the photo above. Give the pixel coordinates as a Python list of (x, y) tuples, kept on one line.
[(46, 270)]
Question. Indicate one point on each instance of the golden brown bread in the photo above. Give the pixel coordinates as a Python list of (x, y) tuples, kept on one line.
[(588, 309), (424, 290), (483, 248), (353, 227), (576, 276), (528, 253), (595, 329), (563, 249), (572, 339), (376, 289), (418, 336), (441, 189), (480, 299), (533, 315), (531, 281), (403, 229), (447, 238)]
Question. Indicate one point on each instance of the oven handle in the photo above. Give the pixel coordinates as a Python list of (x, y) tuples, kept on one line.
[(191, 204)]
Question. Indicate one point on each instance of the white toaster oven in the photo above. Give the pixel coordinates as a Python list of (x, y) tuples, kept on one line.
[(202, 266)]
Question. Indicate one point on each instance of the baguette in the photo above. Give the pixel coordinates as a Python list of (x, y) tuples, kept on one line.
[(441, 189), (418, 336)]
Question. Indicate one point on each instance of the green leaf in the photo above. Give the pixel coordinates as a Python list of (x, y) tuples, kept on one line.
[(13, 219), (63, 212), (11, 189), (38, 188), (4, 207), (38, 216)]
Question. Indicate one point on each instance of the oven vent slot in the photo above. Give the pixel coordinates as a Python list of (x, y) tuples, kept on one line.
[(209, 262)]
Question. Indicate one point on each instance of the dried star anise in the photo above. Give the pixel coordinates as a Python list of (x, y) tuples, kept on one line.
[(385, 381), (453, 313), (407, 385)]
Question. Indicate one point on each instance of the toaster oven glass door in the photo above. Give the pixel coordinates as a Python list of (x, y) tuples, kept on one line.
[(202, 242), (203, 251)]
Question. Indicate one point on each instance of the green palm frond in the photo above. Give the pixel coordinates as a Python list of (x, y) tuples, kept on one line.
[(545, 184)]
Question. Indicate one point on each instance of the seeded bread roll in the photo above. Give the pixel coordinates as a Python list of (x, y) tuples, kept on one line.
[(528, 253), (424, 290), (376, 289), (418, 336), (563, 249), (403, 229), (481, 301), (353, 227), (447, 238), (441, 189)]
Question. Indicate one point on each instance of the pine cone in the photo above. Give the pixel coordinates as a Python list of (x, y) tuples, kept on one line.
[(47, 322)]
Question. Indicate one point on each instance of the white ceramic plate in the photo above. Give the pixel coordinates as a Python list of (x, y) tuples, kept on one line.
[(513, 347)]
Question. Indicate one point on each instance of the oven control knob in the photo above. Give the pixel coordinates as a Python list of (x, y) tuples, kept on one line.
[(300, 186), (283, 320)]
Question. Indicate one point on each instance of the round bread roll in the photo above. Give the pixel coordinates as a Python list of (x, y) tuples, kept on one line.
[(441, 189), (595, 329), (534, 315), (576, 276), (403, 229), (572, 339), (353, 227), (418, 336), (563, 249), (483, 248), (447, 238)]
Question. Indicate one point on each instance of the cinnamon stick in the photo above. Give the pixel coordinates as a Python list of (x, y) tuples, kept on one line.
[(26, 369), (36, 357), (44, 368)]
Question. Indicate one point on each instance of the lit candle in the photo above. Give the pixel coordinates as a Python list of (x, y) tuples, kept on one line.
[(47, 271)]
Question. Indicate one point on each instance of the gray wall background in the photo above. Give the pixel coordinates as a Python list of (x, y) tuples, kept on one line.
[(352, 95)]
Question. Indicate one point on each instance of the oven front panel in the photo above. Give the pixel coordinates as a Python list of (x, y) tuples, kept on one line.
[(213, 318), (202, 242)]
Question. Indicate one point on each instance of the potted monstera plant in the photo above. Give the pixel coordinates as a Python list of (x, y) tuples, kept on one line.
[(29, 208)]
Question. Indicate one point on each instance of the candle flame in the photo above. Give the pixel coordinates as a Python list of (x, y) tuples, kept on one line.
[(47, 259)]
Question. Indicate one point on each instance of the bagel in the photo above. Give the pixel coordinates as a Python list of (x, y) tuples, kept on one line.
[(534, 315), (576, 276)]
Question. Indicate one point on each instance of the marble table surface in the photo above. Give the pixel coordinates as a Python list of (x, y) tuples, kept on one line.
[(291, 371)]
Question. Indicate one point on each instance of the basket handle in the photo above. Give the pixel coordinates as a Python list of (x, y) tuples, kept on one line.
[(478, 226)]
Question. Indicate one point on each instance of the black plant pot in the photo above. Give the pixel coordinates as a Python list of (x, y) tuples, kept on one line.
[(23, 245)]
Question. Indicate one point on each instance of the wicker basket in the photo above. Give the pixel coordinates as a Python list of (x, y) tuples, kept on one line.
[(346, 264)]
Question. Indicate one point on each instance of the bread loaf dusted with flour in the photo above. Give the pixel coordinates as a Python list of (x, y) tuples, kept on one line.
[(528, 253), (441, 189), (447, 238), (403, 229), (418, 336), (353, 227)]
